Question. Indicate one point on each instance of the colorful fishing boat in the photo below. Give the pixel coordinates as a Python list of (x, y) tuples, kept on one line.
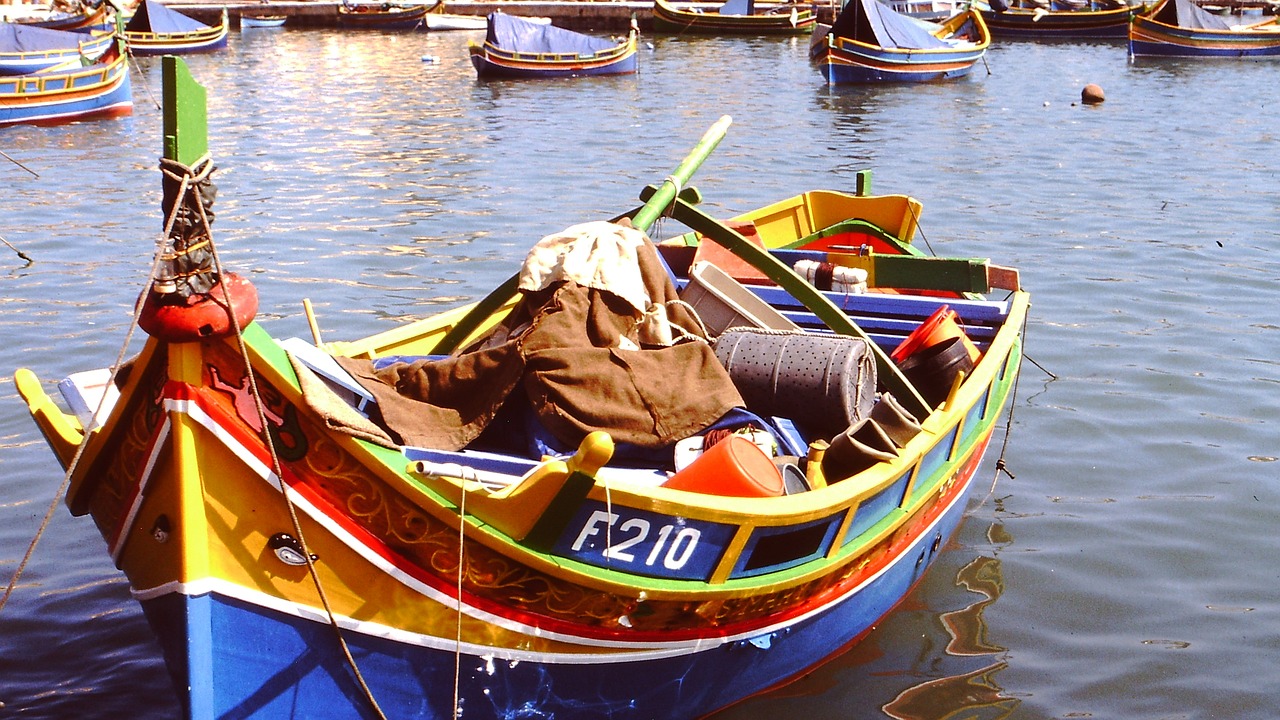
[(735, 17), (1056, 18), (70, 91), (871, 43), (26, 49), (637, 480), (516, 47), (156, 29), (384, 16), (1180, 28)]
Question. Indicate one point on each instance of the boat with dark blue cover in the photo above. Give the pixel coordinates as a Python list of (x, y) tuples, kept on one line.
[(514, 47), (869, 42), (1180, 28), (156, 29), (27, 48)]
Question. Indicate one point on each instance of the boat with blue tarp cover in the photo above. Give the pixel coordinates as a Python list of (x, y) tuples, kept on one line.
[(69, 91), (1181, 28), (1047, 19), (639, 479), (871, 43), (156, 29), (26, 48), (735, 17), (515, 47)]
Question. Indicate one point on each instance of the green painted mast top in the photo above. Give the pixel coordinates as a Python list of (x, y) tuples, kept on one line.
[(186, 117), (643, 219), (188, 268)]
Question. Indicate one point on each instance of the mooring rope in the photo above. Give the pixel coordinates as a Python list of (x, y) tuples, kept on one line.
[(1001, 466), (457, 640), (276, 466), (6, 156), (920, 228), (145, 86), (21, 254)]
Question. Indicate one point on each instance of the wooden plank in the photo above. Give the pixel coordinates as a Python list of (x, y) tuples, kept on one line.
[(906, 271), (918, 307)]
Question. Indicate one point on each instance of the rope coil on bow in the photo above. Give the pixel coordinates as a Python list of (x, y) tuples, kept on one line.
[(188, 265)]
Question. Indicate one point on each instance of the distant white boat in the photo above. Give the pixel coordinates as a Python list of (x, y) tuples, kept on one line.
[(251, 21), (450, 21)]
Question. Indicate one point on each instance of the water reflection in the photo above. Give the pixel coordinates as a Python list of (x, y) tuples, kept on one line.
[(928, 662), (972, 693), (972, 696)]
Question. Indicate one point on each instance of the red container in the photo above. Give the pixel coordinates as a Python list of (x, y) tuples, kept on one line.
[(942, 325), (733, 467)]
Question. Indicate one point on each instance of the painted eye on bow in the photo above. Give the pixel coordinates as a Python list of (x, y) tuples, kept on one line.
[(289, 550)]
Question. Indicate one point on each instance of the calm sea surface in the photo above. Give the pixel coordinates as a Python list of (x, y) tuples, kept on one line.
[(1127, 570)]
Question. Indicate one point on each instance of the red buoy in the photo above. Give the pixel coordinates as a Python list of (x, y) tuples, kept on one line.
[(173, 318)]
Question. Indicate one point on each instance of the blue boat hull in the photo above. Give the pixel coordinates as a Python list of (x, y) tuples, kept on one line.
[(853, 74), (243, 660), (1139, 48), (110, 101), (178, 48)]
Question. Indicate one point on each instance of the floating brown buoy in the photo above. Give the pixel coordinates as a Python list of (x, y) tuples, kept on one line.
[(1091, 95)]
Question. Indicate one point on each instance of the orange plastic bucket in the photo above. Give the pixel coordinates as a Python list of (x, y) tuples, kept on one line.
[(942, 325), (733, 467)]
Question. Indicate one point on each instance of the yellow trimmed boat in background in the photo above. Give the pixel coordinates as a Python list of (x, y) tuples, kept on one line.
[(70, 91), (385, 16), (1181, 28), (156, 29), (735, 17), (523, 48), (871, 43), (648, 493)]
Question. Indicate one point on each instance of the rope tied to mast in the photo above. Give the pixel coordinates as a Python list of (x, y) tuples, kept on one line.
[(188, 266)]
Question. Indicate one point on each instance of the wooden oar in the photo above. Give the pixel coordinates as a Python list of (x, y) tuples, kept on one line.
[(652, 210)]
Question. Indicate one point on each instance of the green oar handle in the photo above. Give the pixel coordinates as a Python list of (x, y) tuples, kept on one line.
[(670, 188), (806, 294), (652, 210)]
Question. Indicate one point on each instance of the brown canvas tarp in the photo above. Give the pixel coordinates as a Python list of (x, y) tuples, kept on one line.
[(580, 356)]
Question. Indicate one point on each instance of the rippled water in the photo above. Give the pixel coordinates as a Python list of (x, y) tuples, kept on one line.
[(1126, 570)]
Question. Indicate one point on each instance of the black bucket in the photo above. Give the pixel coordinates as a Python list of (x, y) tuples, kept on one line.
[(934, 369), (864, 444), (894, 419)]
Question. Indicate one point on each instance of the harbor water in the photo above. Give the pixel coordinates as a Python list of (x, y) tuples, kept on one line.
[(1123, 566)]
